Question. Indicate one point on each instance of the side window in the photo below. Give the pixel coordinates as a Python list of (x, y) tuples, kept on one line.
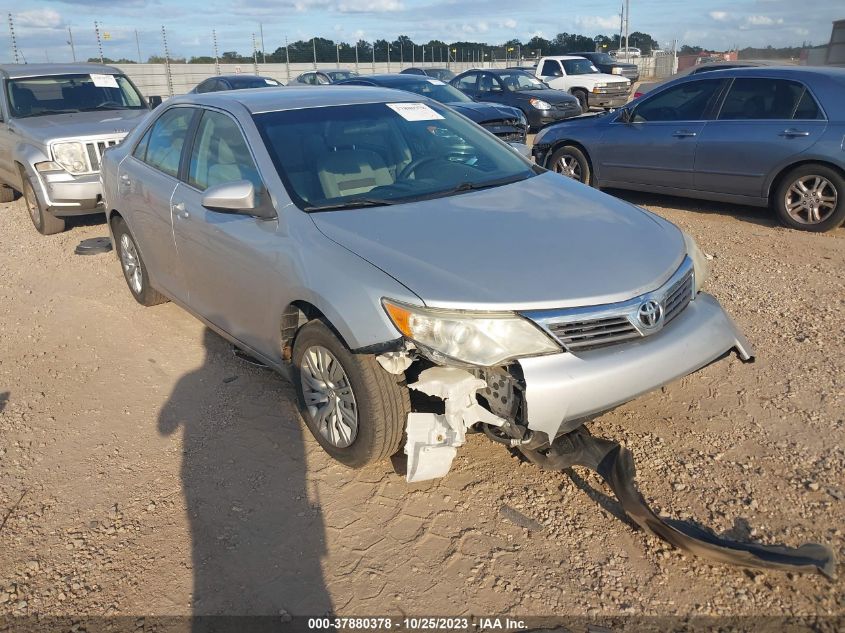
[(751, 98), (551, 68), (685, 102), (205, 86), (220, 154), (141, 148), (808, 109), (167, 137), (488, 82), (467, 82)]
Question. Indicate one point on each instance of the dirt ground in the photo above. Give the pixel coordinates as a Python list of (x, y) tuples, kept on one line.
[(145, 470)]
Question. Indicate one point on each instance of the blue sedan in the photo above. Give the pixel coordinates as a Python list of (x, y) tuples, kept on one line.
[(759, 136)]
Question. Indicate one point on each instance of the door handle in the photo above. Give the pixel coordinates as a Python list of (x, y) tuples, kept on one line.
[(179, 208), (791, 133), (124, 180), (684, 134)]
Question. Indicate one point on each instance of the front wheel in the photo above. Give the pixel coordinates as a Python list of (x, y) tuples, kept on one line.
[(571, 162), (44, 222), (811, 198), (354, 408), (583, 100)]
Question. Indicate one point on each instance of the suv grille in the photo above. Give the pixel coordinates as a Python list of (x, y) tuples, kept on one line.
[(94, 151), (588, 328)]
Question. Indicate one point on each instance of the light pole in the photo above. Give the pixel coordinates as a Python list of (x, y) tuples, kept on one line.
[(337, 50)]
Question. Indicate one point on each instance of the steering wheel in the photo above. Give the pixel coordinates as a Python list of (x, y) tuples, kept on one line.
[(411, 167)]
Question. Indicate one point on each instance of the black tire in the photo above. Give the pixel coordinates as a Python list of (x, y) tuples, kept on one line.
[(127, 250), (7, 194), (382, 401), (831, 185), (571, 162), (583, 100), (44, 222)]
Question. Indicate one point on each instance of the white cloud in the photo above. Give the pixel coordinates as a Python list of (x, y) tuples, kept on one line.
[(369, 6), (762, 20), (39, 18), (719, 16), (597, 21), (510, 23)]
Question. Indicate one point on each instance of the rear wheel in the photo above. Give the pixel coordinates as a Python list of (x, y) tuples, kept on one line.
[(44, 222), (354, 408), (571, 162), (811, 198), (134, 270)]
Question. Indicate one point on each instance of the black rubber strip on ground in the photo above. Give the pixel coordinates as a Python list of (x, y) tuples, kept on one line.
[(615, 464)]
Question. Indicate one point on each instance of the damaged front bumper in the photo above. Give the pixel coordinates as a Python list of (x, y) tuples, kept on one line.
[(563, 389)]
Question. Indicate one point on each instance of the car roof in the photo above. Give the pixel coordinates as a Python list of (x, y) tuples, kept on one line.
[(563, 57), (499, 71), (779, 72), (41, 70), (395, 78), (239, 76), (258, 100)]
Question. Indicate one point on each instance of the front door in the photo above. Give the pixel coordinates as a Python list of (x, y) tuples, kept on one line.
[(657, 146), (761, 125), (228, 259)]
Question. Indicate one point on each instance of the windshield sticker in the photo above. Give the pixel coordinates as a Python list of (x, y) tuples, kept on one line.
[(271, 82), (414, 111), (436, 82), (104, 81)]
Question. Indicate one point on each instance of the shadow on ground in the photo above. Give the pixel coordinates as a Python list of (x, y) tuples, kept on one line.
[(257, 539)]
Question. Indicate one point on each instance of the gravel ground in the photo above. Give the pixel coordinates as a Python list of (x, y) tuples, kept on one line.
[(145, 470)]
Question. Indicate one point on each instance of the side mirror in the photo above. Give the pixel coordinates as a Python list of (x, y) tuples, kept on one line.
[(522, 149), (237, 197), (154, 101), (624, 115)]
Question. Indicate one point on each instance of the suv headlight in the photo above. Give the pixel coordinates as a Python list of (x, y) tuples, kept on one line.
[(699, 261), (615, 71), (71, 156), (476, 338), (540, 104)]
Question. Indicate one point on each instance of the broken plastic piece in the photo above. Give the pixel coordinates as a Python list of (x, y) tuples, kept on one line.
[(432, 439), (395, 362), (615, 464)]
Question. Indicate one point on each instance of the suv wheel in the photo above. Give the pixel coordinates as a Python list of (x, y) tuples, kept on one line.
[(44, 222), (134, 270), (571, 162), (583, 100), (354, 408), (811, 198)]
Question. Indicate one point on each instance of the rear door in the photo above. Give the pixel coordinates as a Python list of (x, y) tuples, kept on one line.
[(147, 179), (228, 259), (657, 146), (468, 84), (761, 125), (490, 88)]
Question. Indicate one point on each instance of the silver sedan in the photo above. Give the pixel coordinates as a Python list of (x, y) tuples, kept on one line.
[(366, 242)]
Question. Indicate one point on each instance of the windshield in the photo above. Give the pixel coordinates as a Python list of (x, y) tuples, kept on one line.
[(602, 58), (433, 89), (579, 67), (243, 83), (442, 74), (520, 80), (374, 154), (60, 94), (340, 75)]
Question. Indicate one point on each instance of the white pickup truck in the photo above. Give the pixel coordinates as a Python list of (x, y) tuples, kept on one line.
[(579, 77)]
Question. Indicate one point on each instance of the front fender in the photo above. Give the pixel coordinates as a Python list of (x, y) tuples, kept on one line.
[(27, 155)]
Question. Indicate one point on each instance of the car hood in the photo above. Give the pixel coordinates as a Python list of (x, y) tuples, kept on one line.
[(545, 242), (551, 96), (47, 129), (481, 112)]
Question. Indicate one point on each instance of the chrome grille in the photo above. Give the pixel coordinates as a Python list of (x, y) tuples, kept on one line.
[(594, 332), (595, 326), (94, 151)]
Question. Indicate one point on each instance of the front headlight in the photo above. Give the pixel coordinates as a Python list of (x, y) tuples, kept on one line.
[(699, 262), (71, 156), (615, 71), (475, 338), (540, 104)]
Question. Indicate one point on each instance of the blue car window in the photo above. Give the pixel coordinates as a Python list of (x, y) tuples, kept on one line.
[(752, 98), (685, 102)]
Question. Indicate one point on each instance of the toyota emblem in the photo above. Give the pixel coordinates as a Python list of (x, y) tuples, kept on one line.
[(649, 314)]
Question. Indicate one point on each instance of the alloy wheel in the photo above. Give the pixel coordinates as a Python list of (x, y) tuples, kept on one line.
[(131, 264), (811, 199), (328, 396), (569, 166)]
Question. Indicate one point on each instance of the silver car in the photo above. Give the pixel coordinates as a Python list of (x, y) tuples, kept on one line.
[(59, 119), (367, 243)]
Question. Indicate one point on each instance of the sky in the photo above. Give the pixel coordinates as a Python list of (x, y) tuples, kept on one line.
[(41, 25)]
